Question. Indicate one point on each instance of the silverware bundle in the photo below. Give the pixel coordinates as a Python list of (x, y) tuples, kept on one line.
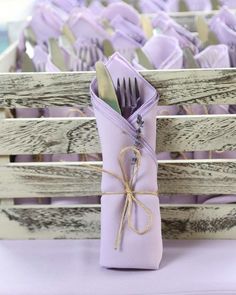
[(124, 98)]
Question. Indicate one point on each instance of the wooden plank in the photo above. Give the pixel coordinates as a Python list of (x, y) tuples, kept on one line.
[(83, 222), (77, 179), (5, 160), (202, 86), (197, 133), (188, 19), (8, 59), (79, 135)]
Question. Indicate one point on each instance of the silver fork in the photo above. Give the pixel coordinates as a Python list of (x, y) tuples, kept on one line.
[(128, 95)]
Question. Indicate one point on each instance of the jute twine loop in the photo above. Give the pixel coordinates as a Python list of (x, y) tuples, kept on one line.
[(130, 195)]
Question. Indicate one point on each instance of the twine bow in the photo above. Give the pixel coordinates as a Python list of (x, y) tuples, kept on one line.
[(130, 194)]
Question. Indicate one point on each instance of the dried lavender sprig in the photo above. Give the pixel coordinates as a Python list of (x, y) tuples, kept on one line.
[(138, 136)]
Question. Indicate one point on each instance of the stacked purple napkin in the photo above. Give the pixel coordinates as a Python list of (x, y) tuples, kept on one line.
[(167, 26), (133, 241), (163, 52), (150, 6), (46, 22), (224, 26)]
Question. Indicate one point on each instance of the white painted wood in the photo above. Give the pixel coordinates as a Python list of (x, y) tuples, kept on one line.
[(175, 134), (83, 222), (66, 179), (8, 59), (79, 135), (4, 160), (181, 87)]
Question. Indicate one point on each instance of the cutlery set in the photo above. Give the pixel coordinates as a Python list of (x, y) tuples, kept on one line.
[(128, 96), (124, 98)]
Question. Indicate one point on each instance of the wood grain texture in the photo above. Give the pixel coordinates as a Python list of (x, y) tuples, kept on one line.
[(197, 133), (180, 87), (83, 222), (79, 135), (4, 160), (78, 180)]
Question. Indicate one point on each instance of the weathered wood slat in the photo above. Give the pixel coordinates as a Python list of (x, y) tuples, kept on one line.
[(4, 160), (77, 179), (8, 59), (188, 19), (83, 222), (79, 135), (59, 89)]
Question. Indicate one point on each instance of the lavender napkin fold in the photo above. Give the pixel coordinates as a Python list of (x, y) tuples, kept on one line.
[(128, 28), (124, 10), (215, 56), (84, 26), (228, 3), (224, 26), (163, 52), (46, 23), (66, 5), (169, 27), (125, 45), (138, 251), (40, 58), (96, 7), (152, 6)]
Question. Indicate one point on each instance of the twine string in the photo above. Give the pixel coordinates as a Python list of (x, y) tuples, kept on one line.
[(130, 195)]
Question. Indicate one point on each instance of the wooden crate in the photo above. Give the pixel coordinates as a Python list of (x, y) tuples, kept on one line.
[(50, 136), (79, 135)]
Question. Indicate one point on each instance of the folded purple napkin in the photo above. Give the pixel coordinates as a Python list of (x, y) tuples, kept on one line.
[(167, 26), (125, 45), (66, 5), (96, 7), (124, 10), (132, 239), (84, 26), (152, 6), (229, 3), (128, 28), (46, 23), (224, 26), (163, 52), (215, 56), (50, 67), (40, 58)]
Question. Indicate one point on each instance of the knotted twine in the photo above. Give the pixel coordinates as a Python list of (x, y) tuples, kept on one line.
[(130, 195)]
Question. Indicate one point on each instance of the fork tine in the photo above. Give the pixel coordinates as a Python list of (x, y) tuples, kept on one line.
[(126, 94), (137, 92), (118, 93), (131, 98), (133, 93)]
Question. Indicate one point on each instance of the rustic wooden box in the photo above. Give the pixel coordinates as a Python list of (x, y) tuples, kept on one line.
[(79, 135)]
